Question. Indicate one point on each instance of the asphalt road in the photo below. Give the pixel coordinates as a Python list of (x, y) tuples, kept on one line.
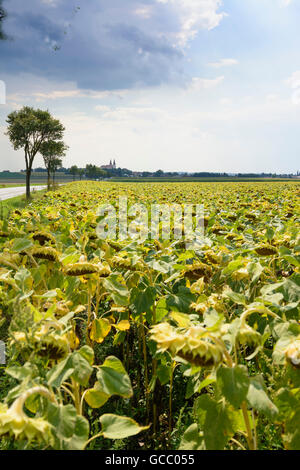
[(8, 193)]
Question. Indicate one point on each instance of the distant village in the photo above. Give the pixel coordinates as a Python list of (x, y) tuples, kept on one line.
[(111, 170)]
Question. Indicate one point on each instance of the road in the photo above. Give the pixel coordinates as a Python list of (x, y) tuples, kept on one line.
[(8, 193)]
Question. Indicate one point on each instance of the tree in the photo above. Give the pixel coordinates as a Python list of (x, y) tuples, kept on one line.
[(28, 129), (74, 171), (81, 173), (52, 152), (93, 172), (55, 164), (2, 16)]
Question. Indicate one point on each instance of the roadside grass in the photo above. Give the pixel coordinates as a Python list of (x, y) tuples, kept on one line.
[(18, 202)]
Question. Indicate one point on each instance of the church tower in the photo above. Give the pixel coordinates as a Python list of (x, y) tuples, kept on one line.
[(114, 164)]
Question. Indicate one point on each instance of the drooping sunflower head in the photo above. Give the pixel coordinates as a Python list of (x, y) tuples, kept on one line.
[(46, 253), (213, 257), (50, 342), (197, 271), (104, 269), (47, 341), (81, 269), (43, 237), (190, 344), (167, 337), (4, 234), (240, 274), (266, 250), (248, 336), (14, 422)]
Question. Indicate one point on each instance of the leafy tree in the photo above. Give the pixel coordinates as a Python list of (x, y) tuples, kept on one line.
[(74, 171), (28, 129), (52, 152), (55, 165), (81, 173), (93, 172), (2, 16)]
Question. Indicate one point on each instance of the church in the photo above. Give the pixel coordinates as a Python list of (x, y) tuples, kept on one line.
[(111, 166)]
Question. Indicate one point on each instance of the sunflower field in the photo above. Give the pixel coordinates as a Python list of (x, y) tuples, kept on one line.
[(124, 345)]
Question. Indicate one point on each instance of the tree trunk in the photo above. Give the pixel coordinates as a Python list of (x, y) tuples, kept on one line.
[(48, 182), (28, 175)]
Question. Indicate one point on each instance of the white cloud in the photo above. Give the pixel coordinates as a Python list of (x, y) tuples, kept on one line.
[(130, 113), (223, 63), (67, 93), (144, 12), (225, 101), (294, 80), (195, 15), (199, 83)]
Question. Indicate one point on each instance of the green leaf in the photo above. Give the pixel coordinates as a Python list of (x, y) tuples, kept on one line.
[(118, 291), (237, 298), (113, 378), (255, 270), (192, 439), (181, 300), (287, 334), (75, 366), (233, 266), (161, 309), (286, 403), (291, 437), (119, 427), (88, 354), (234, 384), (160, 266), (212, 319), (21, 244), (82, 368), (259, 400), (94, 397), (60, 373), (142, 300), (216, 421), (289, 289), (164, 373), (22, 372), (71, 431)]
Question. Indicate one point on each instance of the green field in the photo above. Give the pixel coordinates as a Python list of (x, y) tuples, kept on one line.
[(201, 180)]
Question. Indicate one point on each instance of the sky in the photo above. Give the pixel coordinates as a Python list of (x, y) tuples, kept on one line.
[(177, 85)]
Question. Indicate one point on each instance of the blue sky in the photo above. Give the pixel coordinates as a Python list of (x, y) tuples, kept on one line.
[(181, 85)]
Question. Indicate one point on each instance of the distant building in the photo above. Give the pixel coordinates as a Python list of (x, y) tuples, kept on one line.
[(111, 166)]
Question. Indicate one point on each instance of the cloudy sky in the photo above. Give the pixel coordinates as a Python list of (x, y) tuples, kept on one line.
[(179, 85)]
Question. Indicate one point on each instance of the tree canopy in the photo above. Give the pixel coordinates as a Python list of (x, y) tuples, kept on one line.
[(53, 152), (29, 129), (2, 16)]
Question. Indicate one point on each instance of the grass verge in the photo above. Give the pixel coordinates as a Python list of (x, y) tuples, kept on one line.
[(18, 202)]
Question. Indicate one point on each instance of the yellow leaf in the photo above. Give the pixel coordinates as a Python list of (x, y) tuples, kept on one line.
[(123, 325), (95, 397), (182, 319), (100, 329), (73, 340)]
